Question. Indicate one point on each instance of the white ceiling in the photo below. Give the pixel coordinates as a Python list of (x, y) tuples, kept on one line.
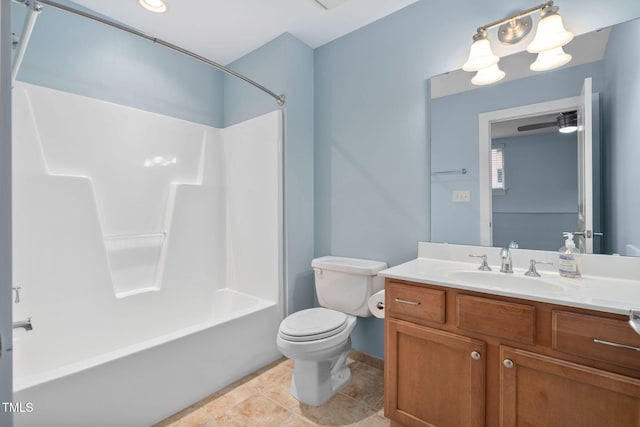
[(225, 30)]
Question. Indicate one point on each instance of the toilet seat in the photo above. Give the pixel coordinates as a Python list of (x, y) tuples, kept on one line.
[(312, 324)]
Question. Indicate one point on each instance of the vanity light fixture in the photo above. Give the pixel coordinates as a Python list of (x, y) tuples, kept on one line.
[(547, 43), (157, 6)]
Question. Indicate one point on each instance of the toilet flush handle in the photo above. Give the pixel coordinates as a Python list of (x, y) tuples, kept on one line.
[(317, 270)]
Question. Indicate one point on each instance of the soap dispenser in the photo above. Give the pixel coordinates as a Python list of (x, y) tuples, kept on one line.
[(570, 262)]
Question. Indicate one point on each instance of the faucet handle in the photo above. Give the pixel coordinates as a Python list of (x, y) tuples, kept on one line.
[(484, 266), (532, 268)]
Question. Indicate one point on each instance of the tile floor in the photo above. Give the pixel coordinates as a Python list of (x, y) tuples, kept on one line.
[(262, 399)]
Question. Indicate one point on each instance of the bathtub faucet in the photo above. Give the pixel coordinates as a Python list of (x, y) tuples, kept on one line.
[(26, 324)]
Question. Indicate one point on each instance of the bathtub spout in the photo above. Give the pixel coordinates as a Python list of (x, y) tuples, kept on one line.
[(26, 324)]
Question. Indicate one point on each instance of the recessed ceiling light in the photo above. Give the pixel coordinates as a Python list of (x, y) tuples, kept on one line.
[(157, 6)]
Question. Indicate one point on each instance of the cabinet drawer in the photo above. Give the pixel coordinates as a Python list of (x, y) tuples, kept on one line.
[(595, 338), (415, 303), (500, 319)]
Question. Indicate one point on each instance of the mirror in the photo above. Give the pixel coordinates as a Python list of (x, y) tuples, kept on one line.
[(613, 65), (549, 188)]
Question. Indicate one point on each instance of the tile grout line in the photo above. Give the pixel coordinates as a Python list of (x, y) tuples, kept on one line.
[(370, 409)]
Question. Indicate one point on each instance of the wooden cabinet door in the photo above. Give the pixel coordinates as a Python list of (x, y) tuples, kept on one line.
[(433, 378), (541, 391)]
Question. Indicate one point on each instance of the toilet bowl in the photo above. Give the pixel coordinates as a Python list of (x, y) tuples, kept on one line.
[(320, 357), (318, 339)]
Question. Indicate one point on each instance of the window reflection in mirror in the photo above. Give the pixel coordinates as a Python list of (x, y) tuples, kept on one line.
[(498, 184)]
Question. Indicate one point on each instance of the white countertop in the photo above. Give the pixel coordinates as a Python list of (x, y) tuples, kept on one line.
[(601, 293)]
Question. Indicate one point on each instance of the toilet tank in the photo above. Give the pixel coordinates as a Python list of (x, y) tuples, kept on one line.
[(345, 284)]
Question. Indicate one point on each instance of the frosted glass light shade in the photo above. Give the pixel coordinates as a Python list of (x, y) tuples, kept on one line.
[(550, 59), (550, 34), (480, 56), (488, 75)]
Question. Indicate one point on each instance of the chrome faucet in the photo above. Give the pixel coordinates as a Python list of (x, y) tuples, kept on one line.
[(532, 268), (26, 324), (484, 266), (507, 266)]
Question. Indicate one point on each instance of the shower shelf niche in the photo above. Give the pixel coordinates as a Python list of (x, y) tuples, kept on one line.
[(134, 261)]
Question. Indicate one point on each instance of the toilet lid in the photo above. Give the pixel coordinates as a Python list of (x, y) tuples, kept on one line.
[(312, 324)]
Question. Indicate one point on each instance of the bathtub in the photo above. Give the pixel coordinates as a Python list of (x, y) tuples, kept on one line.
[(151, 270), (142, 384)]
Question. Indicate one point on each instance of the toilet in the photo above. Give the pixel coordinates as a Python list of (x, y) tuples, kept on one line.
[(317, 339)]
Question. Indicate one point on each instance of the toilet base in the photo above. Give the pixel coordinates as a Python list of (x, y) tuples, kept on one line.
[(315, 382)]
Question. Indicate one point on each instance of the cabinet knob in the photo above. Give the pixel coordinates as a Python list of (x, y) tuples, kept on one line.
[(508, 363), (475, 355)]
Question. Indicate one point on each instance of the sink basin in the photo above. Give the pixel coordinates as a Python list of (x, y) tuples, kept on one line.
[(509, 282)]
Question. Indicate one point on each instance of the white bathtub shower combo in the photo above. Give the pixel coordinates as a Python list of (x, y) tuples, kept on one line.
[(148, 250)]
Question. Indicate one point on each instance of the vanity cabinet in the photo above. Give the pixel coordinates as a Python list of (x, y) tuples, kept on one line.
[(439, 377), (537, 390), (461, 358)]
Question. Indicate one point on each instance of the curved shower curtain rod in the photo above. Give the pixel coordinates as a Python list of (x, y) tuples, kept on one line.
[(280, 99)]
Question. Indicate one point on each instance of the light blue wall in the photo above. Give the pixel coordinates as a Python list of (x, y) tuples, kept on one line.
[(285, 65), (537, 207), (76, 55), (527, 189), (621, 110), (370, 151), (372, 157)]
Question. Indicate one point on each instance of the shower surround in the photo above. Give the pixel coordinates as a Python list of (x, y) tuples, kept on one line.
[(149, 254)]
